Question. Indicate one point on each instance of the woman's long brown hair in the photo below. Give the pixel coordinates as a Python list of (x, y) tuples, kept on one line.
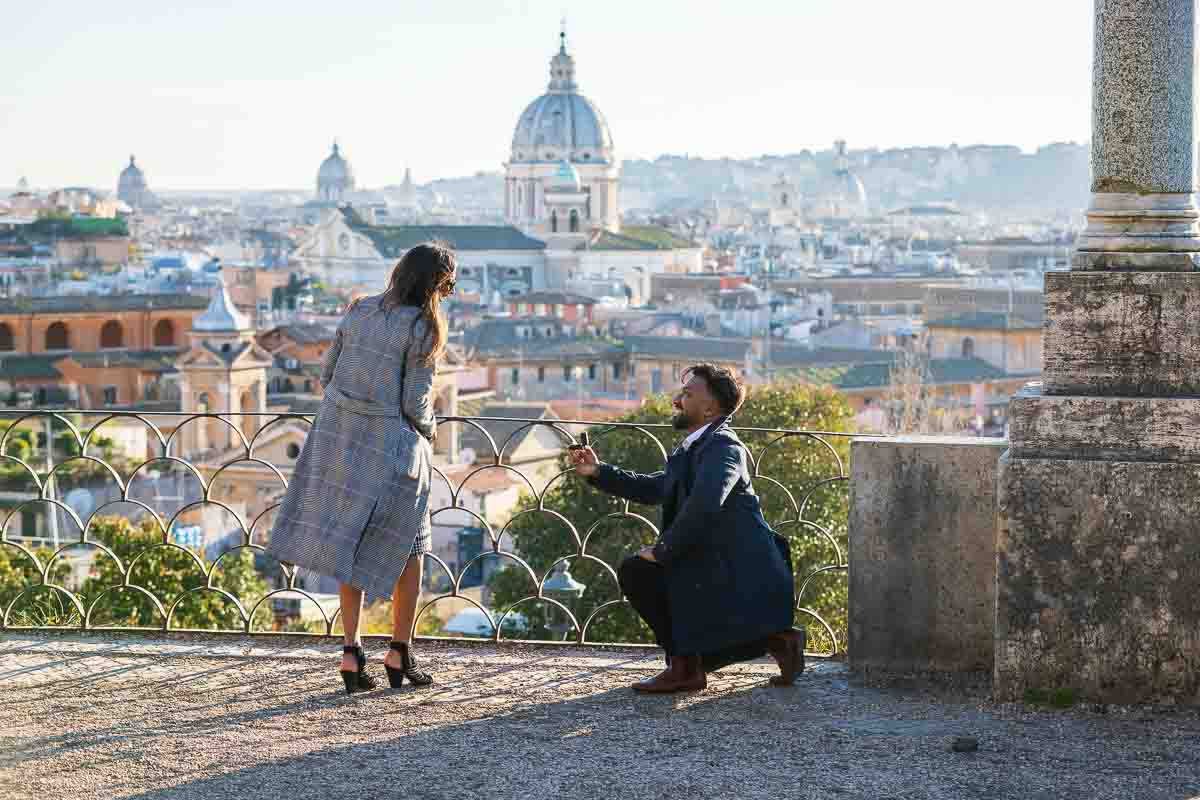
[(421, 279)]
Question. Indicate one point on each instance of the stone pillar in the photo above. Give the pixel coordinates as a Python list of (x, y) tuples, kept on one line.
[(1143, 212), (1099, 493)]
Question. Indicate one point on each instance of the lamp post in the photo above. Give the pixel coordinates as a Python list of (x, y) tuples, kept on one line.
[(562, 587)]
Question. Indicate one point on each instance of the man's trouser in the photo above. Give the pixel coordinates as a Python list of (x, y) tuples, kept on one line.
[(644, 584)]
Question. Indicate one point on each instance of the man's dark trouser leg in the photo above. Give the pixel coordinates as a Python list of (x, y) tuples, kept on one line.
[(645, 586)]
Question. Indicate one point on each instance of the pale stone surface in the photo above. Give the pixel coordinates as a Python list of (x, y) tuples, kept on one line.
[(1098, 579), (1108, 428), (923, 553), (1122, 333), (82, 717)]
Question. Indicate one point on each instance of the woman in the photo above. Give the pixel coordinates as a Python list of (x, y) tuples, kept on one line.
[(357, 507)]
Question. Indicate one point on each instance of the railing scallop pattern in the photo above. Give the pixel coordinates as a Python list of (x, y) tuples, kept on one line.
[(159, 521)]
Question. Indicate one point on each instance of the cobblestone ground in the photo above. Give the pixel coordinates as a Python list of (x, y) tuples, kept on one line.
[(120, 717)]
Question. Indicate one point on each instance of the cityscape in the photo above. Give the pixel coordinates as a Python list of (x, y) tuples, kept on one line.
[(915, 328)]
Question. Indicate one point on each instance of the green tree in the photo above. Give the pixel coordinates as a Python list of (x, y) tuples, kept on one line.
[(793, 474), (40, 606), (167, 573)]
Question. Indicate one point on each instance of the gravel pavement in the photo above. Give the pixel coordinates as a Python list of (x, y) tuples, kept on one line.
[(95, 716)]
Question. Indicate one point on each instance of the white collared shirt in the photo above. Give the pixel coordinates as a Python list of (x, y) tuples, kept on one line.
[(693, 436)]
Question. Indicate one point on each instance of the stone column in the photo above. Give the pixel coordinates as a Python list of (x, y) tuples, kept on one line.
[(1099, 493), (1143, 212)]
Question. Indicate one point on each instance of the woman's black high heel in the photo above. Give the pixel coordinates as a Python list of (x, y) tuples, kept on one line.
[(357, 680), (415, 676)]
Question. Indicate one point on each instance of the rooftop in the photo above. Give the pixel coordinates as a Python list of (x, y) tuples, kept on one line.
[(638, 237), (306, 332), (986, 320), (700, 348), (109, 303), (554, 298), (393, 240), (90, 715)]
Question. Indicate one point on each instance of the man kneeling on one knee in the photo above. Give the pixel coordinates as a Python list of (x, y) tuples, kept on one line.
[(717, 587)]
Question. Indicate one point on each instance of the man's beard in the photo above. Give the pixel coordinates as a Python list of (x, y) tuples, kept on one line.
[(681, 421)]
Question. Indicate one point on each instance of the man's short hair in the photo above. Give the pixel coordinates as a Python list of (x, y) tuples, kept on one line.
[(722, 384)]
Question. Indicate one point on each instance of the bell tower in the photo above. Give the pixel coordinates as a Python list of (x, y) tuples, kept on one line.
[(223, 372)]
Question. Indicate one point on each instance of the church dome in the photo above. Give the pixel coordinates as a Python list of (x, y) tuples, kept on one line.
[(132, 189), (844, 195), (335, 177), (131, 183), (562, 124), (565, 178)]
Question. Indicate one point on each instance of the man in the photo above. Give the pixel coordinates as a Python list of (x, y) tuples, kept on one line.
[(717, 587)]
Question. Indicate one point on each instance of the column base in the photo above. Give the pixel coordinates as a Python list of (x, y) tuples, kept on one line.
[(1155, 231), (1098, 564)]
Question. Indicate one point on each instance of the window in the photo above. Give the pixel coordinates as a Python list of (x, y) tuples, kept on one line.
[(293, 451), (567, 374), (541, 374), (516, 376), (554, 222), (110, 395), (968, 347), (574, 221), (7, 343), (111, 335), (58, 337), (164, 333), (616, 370), (591, 372)]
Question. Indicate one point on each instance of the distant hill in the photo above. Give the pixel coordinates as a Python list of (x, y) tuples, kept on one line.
[(1053, 179)]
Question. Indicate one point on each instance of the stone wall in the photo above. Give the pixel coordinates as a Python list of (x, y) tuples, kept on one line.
[(923, 553)]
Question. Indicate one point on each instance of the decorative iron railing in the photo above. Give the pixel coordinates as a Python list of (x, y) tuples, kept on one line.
[(160, 521)]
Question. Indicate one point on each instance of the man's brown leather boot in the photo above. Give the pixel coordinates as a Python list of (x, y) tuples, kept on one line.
[(787, 648), (686, 674)]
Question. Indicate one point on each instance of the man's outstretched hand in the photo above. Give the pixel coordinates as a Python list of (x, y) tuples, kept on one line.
[(585, 461)]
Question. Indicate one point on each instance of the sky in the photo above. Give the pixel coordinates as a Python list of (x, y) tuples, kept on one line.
[(251, 94)]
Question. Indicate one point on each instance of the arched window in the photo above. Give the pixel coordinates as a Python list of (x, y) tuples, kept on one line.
[(164, 333), (968, 348), (554, 222), (58, 337), (7, 343), (574, 221), (111, 335)]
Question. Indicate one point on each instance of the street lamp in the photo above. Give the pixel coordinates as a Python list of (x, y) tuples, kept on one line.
[(562, 587)]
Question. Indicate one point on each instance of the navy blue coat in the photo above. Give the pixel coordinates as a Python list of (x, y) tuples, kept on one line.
[(728, 581)]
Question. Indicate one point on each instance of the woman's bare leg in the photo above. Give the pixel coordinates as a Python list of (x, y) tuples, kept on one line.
[(352, 598), (404, 606)]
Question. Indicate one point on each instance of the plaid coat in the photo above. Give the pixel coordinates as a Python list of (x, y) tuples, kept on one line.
[(359, 496)]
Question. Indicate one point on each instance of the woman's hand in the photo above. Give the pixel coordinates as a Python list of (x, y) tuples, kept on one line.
[(585, 461)]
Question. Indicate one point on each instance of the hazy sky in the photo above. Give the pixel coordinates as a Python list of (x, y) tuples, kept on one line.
[(250, 94)]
